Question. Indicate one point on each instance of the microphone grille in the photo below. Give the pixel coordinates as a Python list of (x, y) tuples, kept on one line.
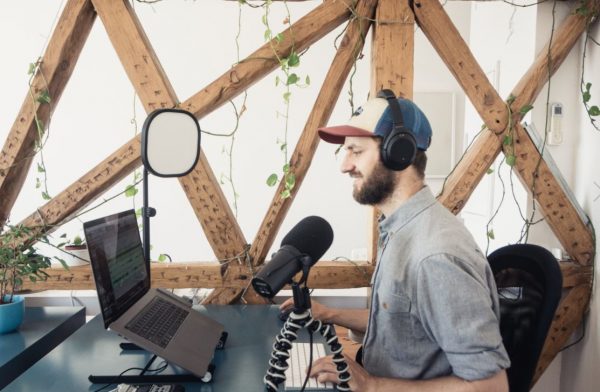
[(313, 235)]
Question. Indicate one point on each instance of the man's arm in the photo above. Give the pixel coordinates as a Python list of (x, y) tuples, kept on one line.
[(361, 381), (355, 319)]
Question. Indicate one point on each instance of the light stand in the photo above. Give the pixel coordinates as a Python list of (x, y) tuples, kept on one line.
[(147, 213), (301, 317)]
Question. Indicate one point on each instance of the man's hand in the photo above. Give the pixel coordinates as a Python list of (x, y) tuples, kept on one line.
[(325, 370), (318, 311)]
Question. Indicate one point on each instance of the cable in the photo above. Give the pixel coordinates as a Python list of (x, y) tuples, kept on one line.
[(159, 369)]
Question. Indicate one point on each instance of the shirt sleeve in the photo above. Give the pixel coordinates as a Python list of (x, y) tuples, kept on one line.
[(456, 308)]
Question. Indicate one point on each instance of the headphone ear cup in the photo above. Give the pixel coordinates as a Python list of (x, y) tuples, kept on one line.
[(398, 150)]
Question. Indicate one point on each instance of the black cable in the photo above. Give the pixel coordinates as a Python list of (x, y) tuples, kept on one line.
[(578, 339), (310, 360), (157, 370)]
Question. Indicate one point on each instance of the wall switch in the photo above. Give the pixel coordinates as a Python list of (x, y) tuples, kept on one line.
[(555, 134)]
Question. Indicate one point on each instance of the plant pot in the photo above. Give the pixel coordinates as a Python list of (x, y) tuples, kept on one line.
[(11, 315), (77, 253)]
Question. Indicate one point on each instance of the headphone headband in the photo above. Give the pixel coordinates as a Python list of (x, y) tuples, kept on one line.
[(394, 107)]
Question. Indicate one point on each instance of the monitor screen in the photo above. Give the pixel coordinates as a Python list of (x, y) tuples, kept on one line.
[(118, 263)]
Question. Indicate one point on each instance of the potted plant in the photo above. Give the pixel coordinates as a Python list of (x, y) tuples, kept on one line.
[(76, 250), (17, 262)]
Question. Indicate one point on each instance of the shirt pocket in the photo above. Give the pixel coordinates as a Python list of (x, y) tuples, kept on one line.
[(394, 303)]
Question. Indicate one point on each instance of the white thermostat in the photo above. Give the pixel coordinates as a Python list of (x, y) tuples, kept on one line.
[(555, 134)]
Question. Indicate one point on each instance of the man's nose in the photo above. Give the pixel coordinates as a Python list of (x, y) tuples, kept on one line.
[(347, 165)]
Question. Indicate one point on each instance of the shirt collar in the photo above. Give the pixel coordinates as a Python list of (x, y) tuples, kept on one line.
[(416, 204)]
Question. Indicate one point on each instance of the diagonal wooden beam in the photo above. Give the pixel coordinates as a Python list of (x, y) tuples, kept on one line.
[(453, 50), (482, 154), (306, 31), (568, 315), (392, 67), (155, 91), (300, 161), (52, 75)]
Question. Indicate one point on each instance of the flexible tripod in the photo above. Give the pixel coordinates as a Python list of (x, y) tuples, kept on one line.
[(300, 318)]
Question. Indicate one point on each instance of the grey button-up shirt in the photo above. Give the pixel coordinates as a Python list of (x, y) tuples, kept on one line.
[(434, 309)]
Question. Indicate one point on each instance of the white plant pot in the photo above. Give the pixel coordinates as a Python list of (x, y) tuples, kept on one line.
[(75, 257)]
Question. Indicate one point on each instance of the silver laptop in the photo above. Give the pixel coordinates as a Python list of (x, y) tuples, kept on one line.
[(154, 319)]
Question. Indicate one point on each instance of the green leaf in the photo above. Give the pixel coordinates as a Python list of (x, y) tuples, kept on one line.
[(46, 196), (62, 262), (40, 168), (594, 111), (588, 86), (307, 80), (586, 96), (285, 193), (507, 140), (44, 97), (525, 109), (138, 212), (286, 96), (290, 181), (38, 183), (489, 171), (162, 258), (277, 80), (265, 20), (272, 180), (292, 79), (31, 70), (511, 99), (510, 160), (130, 191), (279, 37), (286, 168), (490, 234), (77, 240), (293, 60), (267, 34), (283, 147)]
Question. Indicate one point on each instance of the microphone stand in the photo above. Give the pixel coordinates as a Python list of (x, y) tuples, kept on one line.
[(299, 318)]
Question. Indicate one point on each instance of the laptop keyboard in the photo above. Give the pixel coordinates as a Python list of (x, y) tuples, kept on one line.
[(158, 321), (299, 361)]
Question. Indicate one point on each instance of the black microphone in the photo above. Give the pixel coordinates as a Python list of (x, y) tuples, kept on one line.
[(302, 247)]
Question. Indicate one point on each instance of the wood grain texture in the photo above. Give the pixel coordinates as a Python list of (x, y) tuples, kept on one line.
[(392, 67), (324, 274), (54, 71)]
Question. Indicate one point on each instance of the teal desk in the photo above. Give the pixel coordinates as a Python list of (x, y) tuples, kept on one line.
[(42, 330), (93, 350)]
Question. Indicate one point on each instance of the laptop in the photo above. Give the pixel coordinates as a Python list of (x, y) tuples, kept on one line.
[(154, 319)]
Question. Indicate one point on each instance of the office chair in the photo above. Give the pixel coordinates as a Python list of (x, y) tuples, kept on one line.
[(529, 284)]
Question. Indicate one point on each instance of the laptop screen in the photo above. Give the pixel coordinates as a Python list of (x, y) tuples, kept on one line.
[(118, 263)]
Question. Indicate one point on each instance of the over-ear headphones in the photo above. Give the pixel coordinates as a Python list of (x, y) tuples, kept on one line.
[(399, 146)]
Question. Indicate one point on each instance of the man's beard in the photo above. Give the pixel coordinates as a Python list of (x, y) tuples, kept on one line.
[(377, 187)]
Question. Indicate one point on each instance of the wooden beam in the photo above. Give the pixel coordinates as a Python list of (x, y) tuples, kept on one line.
[(53, 73), (568, 316), (574, 274), (392, 67), (324, 274), (307, 30), (453, 50), (351, 45), (136, 54), (560, 214), (468, 172)]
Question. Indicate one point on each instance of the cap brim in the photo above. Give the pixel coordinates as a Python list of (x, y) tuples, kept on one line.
[(338, 134)]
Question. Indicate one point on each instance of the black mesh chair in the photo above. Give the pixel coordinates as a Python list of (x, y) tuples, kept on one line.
[(529, 284)]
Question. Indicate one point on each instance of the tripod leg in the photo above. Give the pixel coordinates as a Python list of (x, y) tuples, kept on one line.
[(328, 332)]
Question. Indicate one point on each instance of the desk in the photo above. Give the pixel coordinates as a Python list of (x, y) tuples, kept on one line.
[(92, 349), (41, 331)]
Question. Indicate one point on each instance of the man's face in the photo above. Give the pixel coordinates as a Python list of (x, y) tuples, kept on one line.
[(373, 182)]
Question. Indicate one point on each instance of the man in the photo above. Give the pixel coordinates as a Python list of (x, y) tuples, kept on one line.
[(434, 318)]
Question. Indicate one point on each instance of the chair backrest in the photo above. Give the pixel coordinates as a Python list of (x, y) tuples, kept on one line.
[(529, 284)]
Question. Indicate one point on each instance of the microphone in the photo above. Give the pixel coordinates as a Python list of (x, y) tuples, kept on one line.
[(300, 249)]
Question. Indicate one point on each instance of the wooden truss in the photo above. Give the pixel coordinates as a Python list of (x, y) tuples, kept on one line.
[(392, 67)]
